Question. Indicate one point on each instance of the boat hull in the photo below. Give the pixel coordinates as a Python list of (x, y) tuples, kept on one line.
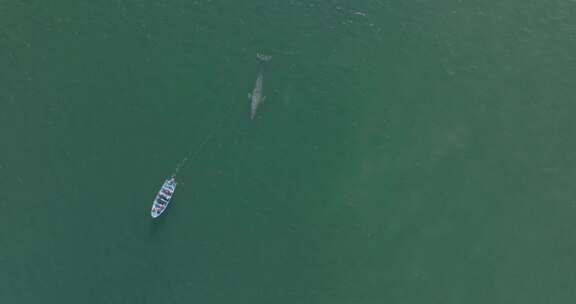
[(163, 197)]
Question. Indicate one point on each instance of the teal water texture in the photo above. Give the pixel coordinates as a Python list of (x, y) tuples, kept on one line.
[(407, 151)]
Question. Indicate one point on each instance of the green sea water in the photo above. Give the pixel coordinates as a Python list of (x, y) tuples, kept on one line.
[(407, 151)]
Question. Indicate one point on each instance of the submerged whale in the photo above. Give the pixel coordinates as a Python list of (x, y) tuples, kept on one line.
[(256, 96)]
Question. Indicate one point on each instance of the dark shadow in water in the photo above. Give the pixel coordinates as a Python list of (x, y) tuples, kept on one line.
[(156, 225)]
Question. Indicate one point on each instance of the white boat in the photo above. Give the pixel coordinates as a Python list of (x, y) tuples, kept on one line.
[(163, 197)]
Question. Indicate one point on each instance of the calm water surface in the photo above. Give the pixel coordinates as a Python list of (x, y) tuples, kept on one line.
[(407, 151)]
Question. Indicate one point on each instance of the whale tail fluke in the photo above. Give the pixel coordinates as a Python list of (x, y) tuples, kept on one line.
[(264, 57)]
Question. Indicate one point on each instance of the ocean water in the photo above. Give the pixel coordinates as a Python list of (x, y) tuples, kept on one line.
[(406, 152)]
